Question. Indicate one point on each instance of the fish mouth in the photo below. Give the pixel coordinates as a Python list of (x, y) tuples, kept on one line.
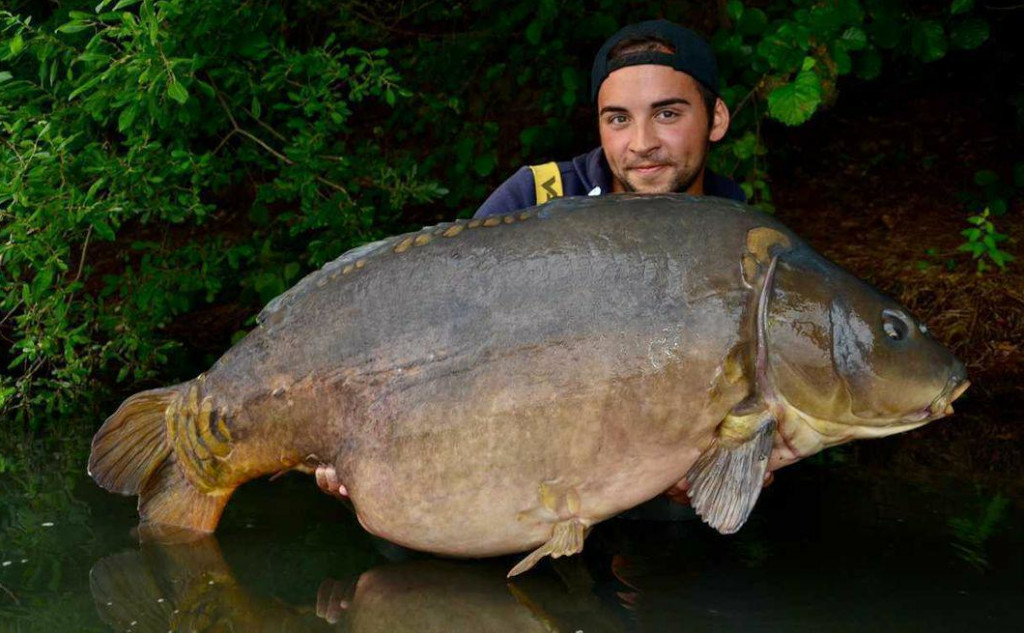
[(943, 403)]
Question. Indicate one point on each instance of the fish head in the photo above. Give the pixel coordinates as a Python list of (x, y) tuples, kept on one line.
[(848, 360)]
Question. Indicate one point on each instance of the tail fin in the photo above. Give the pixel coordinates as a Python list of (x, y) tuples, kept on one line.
[(132, 455), (132, 443), (170, 500)]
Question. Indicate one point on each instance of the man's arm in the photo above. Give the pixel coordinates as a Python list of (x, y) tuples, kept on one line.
[(516, 193)]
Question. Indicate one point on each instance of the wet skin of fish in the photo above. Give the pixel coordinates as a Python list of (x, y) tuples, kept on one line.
[(494, 386)]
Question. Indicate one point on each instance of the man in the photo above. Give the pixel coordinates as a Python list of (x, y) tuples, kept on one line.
[(655, 85)]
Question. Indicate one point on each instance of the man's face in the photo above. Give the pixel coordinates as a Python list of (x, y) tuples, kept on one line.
[(654, 129)]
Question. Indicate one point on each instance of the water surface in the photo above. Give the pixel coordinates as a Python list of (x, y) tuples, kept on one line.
[(829, 547)]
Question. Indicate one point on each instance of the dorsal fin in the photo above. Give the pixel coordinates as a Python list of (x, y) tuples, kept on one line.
[(365, 254), (309, 281)]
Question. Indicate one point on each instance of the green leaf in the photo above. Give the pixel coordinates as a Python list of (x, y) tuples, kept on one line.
[(970, 33), (177, 92), (961, 6), (5, 76), (752, 22), (825, 20), (91, 193), (1000, 257), (928, 40), (127, 117), (86, 86), (94, 58), (42, 282), (484, 165), (734, 9), (850, 11), (72, 27), (985, 177), (17, 44), (103, 230), (795, 102), (854, 38), (570, 79), (533, 32), (885, 33), (785, 49), (844, 64), (204, 88), (745, 146)]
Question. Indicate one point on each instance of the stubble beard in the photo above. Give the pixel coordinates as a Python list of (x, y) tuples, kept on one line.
[(681, 184)]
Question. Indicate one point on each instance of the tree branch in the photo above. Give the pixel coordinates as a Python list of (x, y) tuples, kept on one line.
[(749, 95), (237, 129), (11, 594), (81, 260)]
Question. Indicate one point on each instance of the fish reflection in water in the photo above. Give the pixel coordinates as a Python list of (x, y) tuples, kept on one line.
[(190, 587)]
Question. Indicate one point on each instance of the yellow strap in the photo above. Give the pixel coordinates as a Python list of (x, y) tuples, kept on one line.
[(547, 181)]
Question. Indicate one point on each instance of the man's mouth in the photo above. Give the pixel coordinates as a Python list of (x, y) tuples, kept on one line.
[(646, 170)]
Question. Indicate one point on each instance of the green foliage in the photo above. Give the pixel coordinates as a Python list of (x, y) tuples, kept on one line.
[(994, 192), (791, 55), (155, 159), (982, 242)]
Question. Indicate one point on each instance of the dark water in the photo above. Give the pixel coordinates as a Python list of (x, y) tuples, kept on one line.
[(828, 549)]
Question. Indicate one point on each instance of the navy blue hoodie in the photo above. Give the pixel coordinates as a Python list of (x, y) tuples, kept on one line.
[(581, 176)]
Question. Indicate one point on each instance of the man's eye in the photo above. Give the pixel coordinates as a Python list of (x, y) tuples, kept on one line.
[(617, 119), (667, 115)]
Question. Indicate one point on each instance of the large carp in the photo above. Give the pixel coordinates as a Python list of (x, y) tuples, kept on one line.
[(490, 386)]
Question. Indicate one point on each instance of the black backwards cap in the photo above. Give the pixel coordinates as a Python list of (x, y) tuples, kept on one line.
[(692, 54)]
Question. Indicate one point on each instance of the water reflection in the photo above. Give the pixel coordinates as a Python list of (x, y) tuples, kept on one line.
[(827, 548), (840, 555), (971, 533), (186, 587), (190, 587)]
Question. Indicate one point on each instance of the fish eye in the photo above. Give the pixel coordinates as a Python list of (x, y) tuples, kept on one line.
[(894, 326)]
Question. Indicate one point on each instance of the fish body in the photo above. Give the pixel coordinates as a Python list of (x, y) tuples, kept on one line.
[(488, 387)]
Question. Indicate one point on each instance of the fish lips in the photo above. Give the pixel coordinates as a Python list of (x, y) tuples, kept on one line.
[(942, 405)]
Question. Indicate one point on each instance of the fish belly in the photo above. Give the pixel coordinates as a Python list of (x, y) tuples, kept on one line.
[(484, 461)]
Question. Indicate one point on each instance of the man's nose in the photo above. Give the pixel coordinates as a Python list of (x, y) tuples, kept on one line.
[(645, 138)]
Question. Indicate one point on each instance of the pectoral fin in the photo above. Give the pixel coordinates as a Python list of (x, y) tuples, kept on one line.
[(566, 540), (727, 479)]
